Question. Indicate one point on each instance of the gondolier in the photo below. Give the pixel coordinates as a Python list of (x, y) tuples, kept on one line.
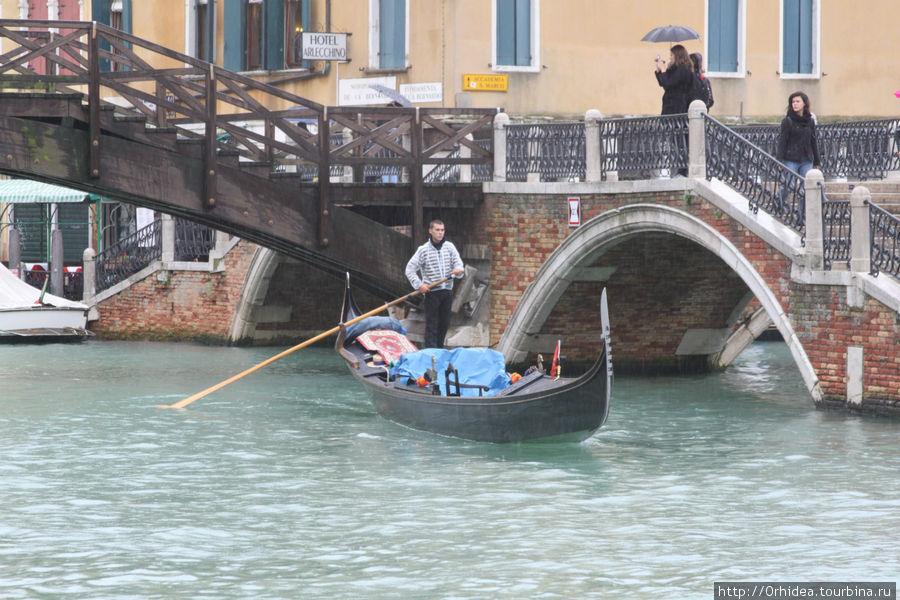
[(434, 260)]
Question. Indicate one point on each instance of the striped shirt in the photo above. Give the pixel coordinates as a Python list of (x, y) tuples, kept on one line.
[(433, 265)]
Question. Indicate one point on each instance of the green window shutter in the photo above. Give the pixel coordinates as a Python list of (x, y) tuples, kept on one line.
[(305, 20), (100, 10), (273, 31), (805, 35), (73, 221), (506, 32), (126, 16), (791, 37), (523, 33), (722, 37), (32, 222), (392, 34), (235, 34)]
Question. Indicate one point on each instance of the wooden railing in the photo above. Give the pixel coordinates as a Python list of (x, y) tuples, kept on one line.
[(228, 110)]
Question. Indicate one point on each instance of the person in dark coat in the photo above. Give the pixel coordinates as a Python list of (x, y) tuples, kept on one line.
[(676, 80), (797, 148)]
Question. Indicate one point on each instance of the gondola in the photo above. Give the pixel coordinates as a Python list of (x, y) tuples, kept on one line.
[(537, 406)]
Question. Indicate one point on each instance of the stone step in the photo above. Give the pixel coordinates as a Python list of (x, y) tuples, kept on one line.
[(880, 187)]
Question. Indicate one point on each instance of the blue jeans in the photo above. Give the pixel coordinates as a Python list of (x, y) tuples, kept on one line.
[(799, 167), (802, 168)]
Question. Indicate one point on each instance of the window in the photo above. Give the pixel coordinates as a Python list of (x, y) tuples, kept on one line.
[(516, 35), (260, 34), (115, 13), (389, 35), (296, 21), (725, 37), (254, 29), (204, 31), (799, 32)]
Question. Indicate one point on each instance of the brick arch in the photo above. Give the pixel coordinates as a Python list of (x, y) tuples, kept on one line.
[(600, 233)]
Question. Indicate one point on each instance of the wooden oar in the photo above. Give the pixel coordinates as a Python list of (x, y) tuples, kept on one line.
[(312, 340)]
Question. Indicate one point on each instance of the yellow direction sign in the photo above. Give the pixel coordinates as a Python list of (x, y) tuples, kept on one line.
[(484, 83)]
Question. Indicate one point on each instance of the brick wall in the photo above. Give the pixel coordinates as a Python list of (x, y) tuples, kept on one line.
[(178, 305), (200, 306), (645, 301)]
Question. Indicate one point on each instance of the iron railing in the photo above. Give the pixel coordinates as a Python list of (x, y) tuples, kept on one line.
[(854, 149), (192, 240), (644, 147), (884, 231), (756, 174), (835, 230), (129, 255), (554, 150)]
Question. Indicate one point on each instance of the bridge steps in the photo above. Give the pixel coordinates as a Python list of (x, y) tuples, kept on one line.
[(885, 194)]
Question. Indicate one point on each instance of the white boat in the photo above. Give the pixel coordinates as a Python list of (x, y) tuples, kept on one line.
[(30, 314)]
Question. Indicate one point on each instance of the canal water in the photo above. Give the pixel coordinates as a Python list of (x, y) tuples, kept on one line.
[(286, 484)]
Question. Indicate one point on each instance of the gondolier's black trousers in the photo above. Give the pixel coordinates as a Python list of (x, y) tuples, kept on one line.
[(437, 317)]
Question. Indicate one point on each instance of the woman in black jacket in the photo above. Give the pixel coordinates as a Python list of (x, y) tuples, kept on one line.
[(797, 146), (675, 80)]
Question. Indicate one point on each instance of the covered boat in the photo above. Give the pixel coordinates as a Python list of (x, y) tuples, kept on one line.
[(536, 406), (30, 314)]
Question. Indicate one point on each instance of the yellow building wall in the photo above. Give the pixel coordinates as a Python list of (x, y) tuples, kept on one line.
[(591, 55)]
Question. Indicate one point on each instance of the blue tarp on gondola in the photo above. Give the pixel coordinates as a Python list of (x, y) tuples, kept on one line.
[(477, 366)]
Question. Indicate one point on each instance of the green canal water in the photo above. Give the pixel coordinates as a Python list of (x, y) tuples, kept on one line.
[(288, 485)]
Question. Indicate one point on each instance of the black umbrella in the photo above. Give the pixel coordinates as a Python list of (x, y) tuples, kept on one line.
[(393, 95), (671, 33)]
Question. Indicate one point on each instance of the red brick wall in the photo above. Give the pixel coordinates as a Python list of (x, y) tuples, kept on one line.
[(187, 305), (200, 306)]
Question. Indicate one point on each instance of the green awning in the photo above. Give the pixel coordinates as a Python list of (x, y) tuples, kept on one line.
[(26, 191)]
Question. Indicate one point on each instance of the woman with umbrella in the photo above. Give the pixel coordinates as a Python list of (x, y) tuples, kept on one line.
[(675, 79)]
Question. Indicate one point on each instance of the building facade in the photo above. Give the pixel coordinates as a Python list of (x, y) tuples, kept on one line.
[(532, 57)]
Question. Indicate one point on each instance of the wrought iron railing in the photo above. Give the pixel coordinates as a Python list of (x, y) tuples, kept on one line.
[(193, 241), (644, 147), (554, 150), (884, 231), (835, 230), (852, 149), (129, 255), (756, 174), (73, 285), (36, 278)]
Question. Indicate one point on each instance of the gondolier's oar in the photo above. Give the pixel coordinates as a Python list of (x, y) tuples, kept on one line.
[(312, 340)]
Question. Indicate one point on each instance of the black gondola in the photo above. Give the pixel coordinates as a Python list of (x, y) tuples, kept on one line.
[(536, 406)]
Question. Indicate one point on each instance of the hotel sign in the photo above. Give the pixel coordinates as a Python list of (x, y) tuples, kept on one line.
[(484, 83), (324, 46)]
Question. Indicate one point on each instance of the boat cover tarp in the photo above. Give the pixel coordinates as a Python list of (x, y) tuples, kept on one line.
[(16, 294), (478, 366), (369, 323)]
